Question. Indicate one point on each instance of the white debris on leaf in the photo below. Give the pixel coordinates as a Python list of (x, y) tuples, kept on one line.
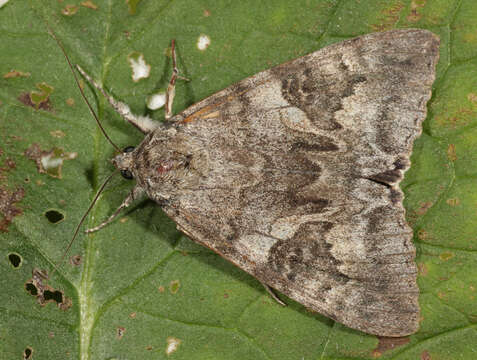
[(203, 42), (172, 345), (52, 162), (49, 162), (156, 101), (140, 70), (3, 2)]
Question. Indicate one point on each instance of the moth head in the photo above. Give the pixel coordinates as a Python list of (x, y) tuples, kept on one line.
[(124, 162)]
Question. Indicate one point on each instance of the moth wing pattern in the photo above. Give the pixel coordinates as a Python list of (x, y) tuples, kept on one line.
[(294, 174)]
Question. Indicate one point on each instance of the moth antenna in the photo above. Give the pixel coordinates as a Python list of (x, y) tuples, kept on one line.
[(52, 34), (96, 197)]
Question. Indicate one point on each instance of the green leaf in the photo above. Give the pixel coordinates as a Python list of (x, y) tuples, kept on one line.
[(139, 288)]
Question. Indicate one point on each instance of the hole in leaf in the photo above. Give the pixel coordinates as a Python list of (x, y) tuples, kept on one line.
[(120, 332), (27, 354), (44, 293), (54, 216), (31, 289), (15, 260), (53, 295), (75, 260)]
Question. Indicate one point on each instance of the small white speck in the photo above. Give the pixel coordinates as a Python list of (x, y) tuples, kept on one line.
[(3, 2), (156, 101), (172, 345), (139, 67), (203, 42)]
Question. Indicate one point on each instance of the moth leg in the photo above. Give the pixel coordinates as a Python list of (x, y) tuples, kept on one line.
[(273, 295), (133, 195), (171, 88), (144, 123)]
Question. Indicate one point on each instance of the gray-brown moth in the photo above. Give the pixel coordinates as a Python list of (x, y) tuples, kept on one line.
[(293, 175)]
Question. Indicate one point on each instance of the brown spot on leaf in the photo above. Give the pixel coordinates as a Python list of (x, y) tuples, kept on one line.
[(132, 5), (416, 6), (15, 73), (453, 202), (446, 256), (76, 260), (422, 234), (425, 355), (423, 208), (25, 99), (451, 154), (38, 99), (422, 269), (472, 98), (57, 133), (9, 164), (458, 118), (70, 102), (206, 13), (89, 4), (389, 16), (161, 289), (49, 161), (15, 137), (44, 293), (70, 10), (388, 343), (174, 286), (43, 96), (132, 315), (8, 208)]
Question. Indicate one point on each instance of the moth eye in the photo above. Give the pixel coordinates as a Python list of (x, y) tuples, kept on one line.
[(128, 149), (126, 174)]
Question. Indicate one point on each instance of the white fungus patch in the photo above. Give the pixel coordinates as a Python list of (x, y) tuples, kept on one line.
[(156, 101), (3, 2), (203, 42), (140, 69), (172, 345)]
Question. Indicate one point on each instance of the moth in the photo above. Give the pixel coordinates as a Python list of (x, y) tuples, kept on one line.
[(293, 174)]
